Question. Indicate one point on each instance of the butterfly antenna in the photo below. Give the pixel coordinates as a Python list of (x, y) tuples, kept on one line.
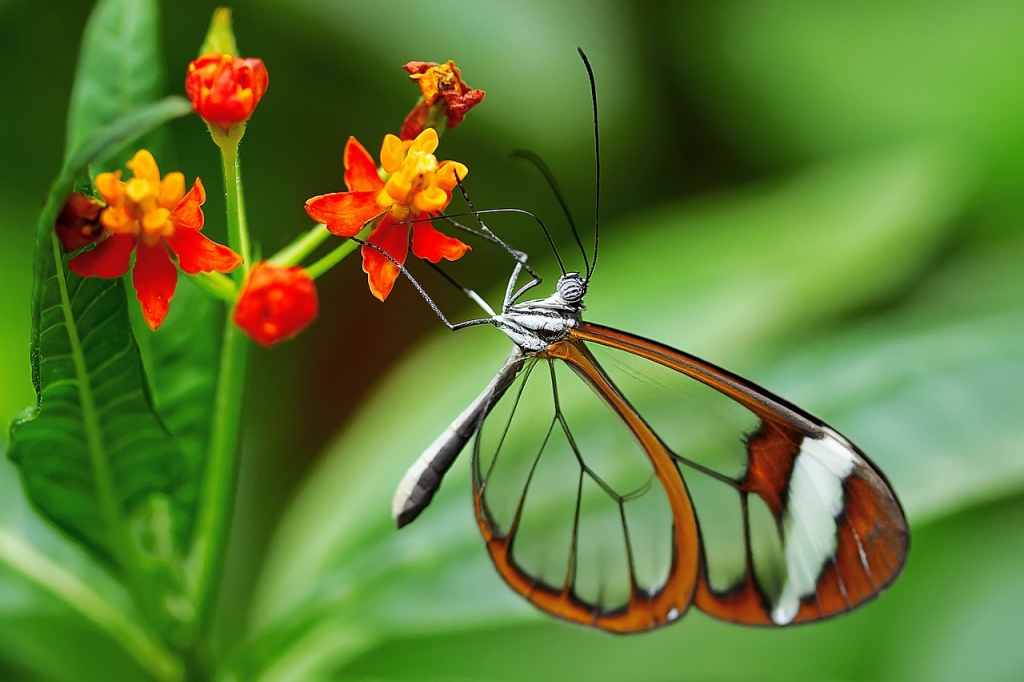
[(597, 160), (557, 191), (519, 255)]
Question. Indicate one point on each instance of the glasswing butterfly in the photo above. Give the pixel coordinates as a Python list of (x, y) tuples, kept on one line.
[(618, 481)]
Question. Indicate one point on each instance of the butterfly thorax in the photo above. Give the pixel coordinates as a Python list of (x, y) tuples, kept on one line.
[(536, 324)]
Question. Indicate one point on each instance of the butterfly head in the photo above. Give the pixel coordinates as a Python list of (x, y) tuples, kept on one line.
[(572, 287)]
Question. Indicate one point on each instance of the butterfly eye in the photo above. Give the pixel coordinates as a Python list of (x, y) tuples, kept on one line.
[(571, 287)]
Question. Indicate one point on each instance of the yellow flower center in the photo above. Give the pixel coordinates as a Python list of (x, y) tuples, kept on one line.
[(142, 205), (417, 182)]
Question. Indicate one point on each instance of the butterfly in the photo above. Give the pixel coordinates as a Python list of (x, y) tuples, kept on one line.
[(618, 481)]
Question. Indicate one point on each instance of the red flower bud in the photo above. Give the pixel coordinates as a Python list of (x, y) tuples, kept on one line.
[(79, 222), (224, 90), (276, 303)]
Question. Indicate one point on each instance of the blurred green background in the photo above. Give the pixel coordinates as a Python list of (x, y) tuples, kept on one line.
[(826, 198)]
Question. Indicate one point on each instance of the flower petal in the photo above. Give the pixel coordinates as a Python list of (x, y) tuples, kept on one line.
[(431, 199), (196, 253), (172, 189), (415, 122), (154, 277), (426, 141), (392, 152), (345, 213), (381, 272), (188, 213), (360, 171), (431, 245), (109, 259), (110, 187), (459, 103), (143, 167)]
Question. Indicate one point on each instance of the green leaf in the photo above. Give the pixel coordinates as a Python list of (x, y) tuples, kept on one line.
[(79, 468), (220, 37), (748, 281), (791, 81), (181, 361), (921, 629), (57, 603), (120, 67), (92, 449), (64, 617)]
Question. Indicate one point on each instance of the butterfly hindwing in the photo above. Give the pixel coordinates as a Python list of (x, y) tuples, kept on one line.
[(574, 510)]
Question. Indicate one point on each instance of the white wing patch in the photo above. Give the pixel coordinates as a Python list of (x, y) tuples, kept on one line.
[(809, 527)]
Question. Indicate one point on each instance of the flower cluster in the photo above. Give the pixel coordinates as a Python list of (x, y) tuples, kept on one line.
[(151, 224), (152, 218)]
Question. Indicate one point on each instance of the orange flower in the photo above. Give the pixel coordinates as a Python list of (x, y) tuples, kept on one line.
[(148, 216), (417, 186), (438, 82), (276, 303), (224, 89)]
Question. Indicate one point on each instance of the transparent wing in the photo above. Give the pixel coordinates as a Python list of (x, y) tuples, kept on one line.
[(584, 513), (796, 524)]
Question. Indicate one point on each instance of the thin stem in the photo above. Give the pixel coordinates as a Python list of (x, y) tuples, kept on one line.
[(218, 493), (217, 496), (216, 285), (39, 569), (337, 255), (301, 247), (238, 230)]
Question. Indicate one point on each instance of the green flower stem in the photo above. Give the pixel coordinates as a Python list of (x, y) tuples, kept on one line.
[(301, 247), (337, 255), (36, 567), (217, 497), (438, 119), (216, 285), (218, 493), (238, 230)]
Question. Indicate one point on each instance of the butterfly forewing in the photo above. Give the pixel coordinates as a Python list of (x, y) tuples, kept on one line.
[(796, 523), (698, 423)]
